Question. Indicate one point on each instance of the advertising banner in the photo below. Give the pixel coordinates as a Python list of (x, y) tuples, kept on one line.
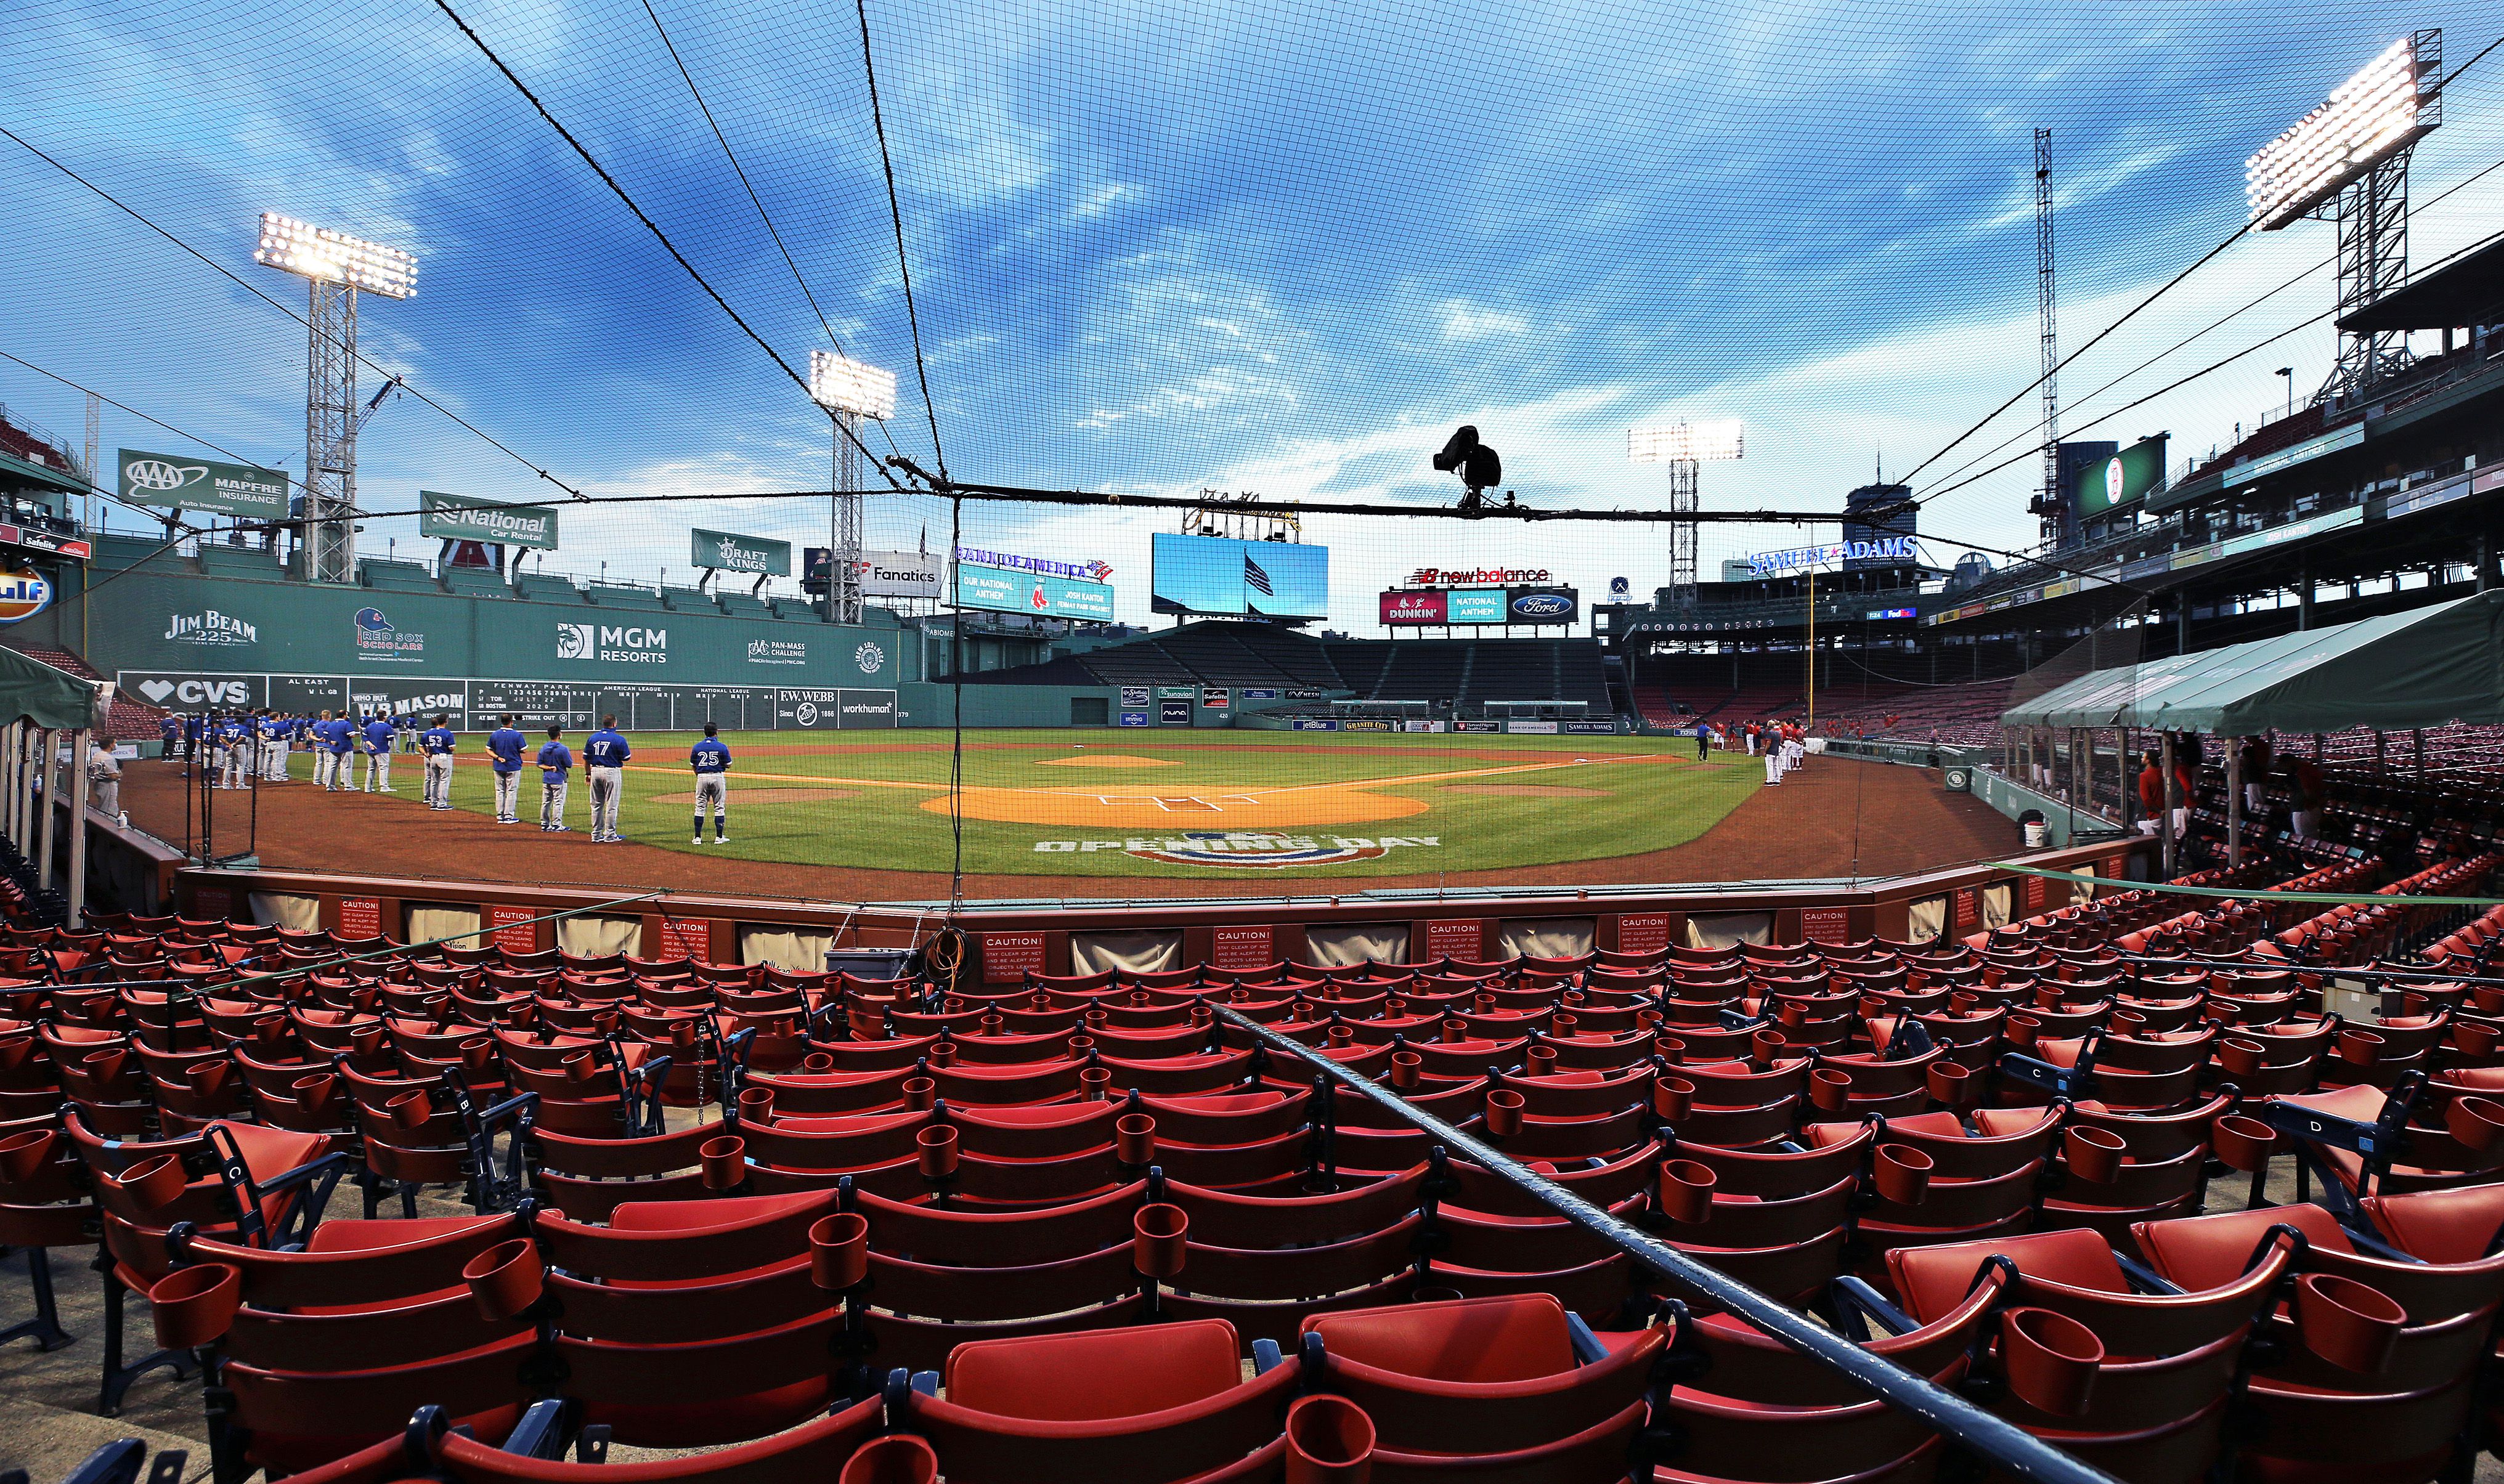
[(1478, 727), (1173, 713), (1408, 609), (463, 518), (999, 590), (1366, 726), (412, 696), (1259, 693), (1591, 728), (900, 574), (203, 484), (1475, 605), (24, 595), (1542, 605), (1135, 695), (827, 710), (753, 554), (2099, 489), (1138, 719), (1421, 726), (1225, 577), (1315, 724), (1531, 728), (1174, 693), (1215, 697), (177, 692)]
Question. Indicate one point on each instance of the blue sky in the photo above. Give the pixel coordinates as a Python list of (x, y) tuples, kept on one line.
[(1266, 246)]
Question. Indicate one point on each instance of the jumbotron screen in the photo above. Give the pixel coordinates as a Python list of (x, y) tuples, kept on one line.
[(1222, 576)]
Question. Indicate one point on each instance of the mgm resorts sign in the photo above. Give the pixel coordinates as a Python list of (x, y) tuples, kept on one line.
[(461, 518)]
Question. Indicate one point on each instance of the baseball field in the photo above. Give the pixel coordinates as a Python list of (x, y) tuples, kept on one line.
[(1112, 804)]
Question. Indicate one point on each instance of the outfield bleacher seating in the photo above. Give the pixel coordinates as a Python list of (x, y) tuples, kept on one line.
[(542, 587), (614, 594), (255, 564), (688, 600), (390, 576), (476, 583)]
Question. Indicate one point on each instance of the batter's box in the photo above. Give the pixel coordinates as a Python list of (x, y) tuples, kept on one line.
[(1183, 804)]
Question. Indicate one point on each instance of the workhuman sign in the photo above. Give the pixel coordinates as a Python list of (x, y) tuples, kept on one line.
[(462, 518), (1776, 563)]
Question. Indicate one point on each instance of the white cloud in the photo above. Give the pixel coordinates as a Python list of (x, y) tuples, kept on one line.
[(1464, 321)]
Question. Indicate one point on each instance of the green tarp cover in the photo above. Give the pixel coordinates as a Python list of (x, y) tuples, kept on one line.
[(31, 690), (2421, 668)]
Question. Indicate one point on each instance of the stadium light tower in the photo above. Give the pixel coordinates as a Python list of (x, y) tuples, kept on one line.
[(851, 390), (2348, 161), (336, 265), (1684, 445)]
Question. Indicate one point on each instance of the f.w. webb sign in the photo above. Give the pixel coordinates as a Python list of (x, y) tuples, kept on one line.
[(461, 518)]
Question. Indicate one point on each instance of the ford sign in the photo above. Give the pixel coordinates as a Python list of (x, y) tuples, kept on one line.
[(1542, 605)]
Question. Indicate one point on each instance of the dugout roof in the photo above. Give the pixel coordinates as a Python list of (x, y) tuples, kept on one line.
[(2420, 667), (31, 690)]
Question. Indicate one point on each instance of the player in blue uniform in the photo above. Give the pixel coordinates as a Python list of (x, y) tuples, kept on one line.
[(556, 765), (274, 746), (341, 742), (711, 762), (437, 742), (506, 745), (169, 727), (378, 738), (603, 758), (234, 751)]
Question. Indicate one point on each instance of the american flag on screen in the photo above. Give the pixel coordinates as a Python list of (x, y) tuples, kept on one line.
[(1255, 578)]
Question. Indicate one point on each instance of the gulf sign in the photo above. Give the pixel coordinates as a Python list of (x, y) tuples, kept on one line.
[(22, 595)]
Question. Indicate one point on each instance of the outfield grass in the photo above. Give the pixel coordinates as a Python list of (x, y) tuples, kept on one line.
[(1452, 803)]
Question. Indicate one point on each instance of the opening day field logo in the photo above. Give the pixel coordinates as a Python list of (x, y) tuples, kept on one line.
[(1253, 850)]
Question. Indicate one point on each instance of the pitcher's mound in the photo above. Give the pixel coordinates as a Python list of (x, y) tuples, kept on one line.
[(739, 796), (1105, 760)]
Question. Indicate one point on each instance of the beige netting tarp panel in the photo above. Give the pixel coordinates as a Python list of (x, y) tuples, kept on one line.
[(285, 909), (1545, 938), (1337, 946), (429, 920), (785, 948), (1926, 918), (599, 937), (2081, 892), (1728, 929), (1997, 899), (1148, 951)]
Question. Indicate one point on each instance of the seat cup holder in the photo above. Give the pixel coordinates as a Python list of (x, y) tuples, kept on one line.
[(2360, 1047), (936, 1149), (25, 1153), (724, 1161), (409, 1110), (1685, 1191), (1672, 1098), (1406, 1067), (1902, 1174), (205, 1078), (505, 1279), (919, 1092), (2050, 1360), (899, 1458), (1135, 1139), (2241, 1056), (1159, 1238), (2345, 1322), (152, 1184), (1951, 1085), (2243, 1144), (1330, 1440), (2478, 1123), (1670, 1049), (1503, 1112), (839, 1251), (193, 1305), (1093, 1083), (1829, 1090), (2094, 1154), (756, 1105)]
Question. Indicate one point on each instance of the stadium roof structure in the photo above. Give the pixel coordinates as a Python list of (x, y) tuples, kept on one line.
[(2470, 292), (32, 691), (2421, 668)]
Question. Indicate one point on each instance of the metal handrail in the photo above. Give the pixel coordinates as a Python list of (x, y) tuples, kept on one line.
[(1937, 1408)]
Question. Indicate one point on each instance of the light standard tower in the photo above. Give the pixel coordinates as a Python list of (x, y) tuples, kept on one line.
[(336, 265), (849, 390), (1682, 445)]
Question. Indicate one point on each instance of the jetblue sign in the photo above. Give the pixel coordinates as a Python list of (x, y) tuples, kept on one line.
[(1775, 564)]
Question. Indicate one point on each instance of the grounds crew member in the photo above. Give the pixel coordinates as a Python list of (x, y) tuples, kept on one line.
[(378, 753), (556, 761), (604, 759), (711, 762), (437, 742), (342, 743), (103, 777), (505, 744)]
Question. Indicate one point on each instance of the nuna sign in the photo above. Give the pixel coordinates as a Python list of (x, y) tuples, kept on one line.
[(1773, 564)]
